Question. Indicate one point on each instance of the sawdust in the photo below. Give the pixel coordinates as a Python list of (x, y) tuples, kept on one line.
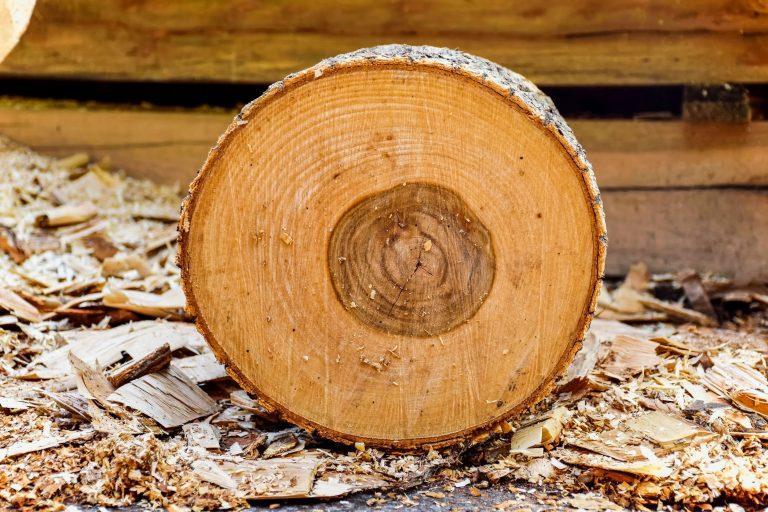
[(109, 397)]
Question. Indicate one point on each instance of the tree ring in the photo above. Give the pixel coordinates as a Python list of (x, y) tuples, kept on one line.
[(412, 260)]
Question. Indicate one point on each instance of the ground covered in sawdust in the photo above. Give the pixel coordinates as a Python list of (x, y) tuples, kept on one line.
[(109, 396)]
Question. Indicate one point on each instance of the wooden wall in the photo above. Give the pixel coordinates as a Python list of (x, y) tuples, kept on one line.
[(575, 42)]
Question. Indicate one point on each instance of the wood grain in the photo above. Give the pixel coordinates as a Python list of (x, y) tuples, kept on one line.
[(256, 228), (674, 154), (721, 229), (412, 260), (577, 42)]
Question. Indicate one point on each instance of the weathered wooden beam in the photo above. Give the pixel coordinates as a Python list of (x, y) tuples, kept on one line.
[(721, 229), (644, 154), (240, 41)]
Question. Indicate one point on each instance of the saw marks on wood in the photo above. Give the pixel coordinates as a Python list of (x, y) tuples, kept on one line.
[(439, 193)]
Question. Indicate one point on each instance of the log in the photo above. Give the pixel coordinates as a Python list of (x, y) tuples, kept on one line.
[(579, 42), (716, 229), (400, 246)]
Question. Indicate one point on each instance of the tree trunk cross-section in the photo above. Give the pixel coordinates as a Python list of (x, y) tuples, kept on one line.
[(401, 246)]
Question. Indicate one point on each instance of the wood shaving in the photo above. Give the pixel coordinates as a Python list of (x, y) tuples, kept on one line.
[(94, 346)]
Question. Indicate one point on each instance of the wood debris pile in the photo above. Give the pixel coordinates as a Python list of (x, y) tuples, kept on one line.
[(110, 397), (673, 413)]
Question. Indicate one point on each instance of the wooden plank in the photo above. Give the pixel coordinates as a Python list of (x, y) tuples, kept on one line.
[(165, 146), (650, 154), (719, 229), (576, 42), (169, 146)]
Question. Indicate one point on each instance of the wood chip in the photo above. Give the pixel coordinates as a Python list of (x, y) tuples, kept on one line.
[(168, 397), (14, 303), (101, 248), (667, 431), (677, 312), (66, 215), (107, 346), (118, 265), (616, 443), (154, 361), (202, 434), (696, 293), (74, 161), (653, 466), (283, 478), (91, 382), (13, 404), (24, 447), (626, 356), (541, 433), (201, 368), (166, 305), (10, 245)]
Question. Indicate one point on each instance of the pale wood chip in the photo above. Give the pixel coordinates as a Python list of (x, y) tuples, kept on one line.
[(66, 215), (201, 368), (627, 355), (107, 346), (168, 397), (165, 305), (13, 404), (24, 447), (653, 467), (14, 303), (210, 471), (667, 431), (117, 265), (614, 443), (91, 382), (544, 432), (281, 478), (202, 434), (95, 185)]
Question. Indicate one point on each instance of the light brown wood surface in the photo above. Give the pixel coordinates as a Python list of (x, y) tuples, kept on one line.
[(718, 229), (466, 294), (562, 42)]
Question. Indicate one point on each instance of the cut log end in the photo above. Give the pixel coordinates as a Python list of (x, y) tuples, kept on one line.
[(400, 246)]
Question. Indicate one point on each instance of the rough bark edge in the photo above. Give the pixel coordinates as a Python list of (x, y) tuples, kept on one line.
[(519, 92)]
